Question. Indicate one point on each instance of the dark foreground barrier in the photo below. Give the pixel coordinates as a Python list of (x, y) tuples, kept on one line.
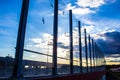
[(112, 75), (85, 76)]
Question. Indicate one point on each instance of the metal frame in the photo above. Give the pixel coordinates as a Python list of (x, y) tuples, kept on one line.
[(93, 50), (17, 71), (55, 35), (90, 53), (86, 50), (80, 45), (71, 41)]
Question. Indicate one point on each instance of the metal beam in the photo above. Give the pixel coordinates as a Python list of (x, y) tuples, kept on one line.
[(96, 55), (17, 70), (86, 49), (93, 50), (55, 35), (90, 53), (80, 45), (71, 41)]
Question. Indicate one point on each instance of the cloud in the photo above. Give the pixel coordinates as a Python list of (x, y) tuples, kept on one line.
[(36, 40), (82, 11), (87, 21), (64, 39), (69, 7), (114, 56), (3, 32), (38, 13), (45, 41), (8, 20), (8, 25), (95, 26), (90, 3), (110, 1), (62, 45), (82, 7), (88, 28), (115, 61), (78, 10), (110, 45), (42, 44), (105, 23)]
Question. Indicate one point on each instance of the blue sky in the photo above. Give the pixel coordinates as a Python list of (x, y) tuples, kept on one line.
[(100, 18)]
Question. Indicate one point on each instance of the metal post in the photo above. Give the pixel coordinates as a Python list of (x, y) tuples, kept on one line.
[(95, 54), (80, 45), (17, 70), (93, 50), (90, 53), (86, 50), (55, 34), (71, 42)]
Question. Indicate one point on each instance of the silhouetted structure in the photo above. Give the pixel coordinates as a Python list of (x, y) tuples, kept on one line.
[(28, 69)]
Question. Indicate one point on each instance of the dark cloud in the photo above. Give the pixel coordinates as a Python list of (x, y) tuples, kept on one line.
[(114, 56), (111, 44), (62, 45), (114, 61), (109, 1)]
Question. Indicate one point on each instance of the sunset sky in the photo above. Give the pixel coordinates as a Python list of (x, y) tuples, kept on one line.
[(101, 18)]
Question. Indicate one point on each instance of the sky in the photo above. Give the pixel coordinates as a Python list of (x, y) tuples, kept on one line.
[(100, 18)]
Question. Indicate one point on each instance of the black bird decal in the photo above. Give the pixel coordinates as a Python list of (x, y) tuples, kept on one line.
[(43, 21), (51, 4)]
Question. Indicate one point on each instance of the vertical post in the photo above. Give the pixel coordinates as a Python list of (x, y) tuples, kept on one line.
[(104, 63), (93, 50), (71, 42), (95, 54), (17, 70), (55, 34), (90, 53), (86, 50), (80, 45)]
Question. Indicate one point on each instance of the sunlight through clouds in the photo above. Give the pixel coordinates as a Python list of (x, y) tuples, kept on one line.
[(78, 10), (82, 11), (90, 3), (69, 7), (39, 32)]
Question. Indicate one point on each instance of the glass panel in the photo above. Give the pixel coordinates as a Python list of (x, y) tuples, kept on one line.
[(63, 44), (88, 52), (76, 61), (39, 38), (63, 66), (9, 21), (83, 50), (36, 66)]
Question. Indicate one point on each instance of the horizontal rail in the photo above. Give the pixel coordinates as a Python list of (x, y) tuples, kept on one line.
[(46, 54), (36, 52)]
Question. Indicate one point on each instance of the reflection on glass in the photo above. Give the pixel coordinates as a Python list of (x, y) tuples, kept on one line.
[(36, 65), (9, 21), (38, 48), (63, 45), (37, 56), (76, 62), (63, 66)]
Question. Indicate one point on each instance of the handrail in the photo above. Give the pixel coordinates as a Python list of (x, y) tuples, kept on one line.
[(46, 54)]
